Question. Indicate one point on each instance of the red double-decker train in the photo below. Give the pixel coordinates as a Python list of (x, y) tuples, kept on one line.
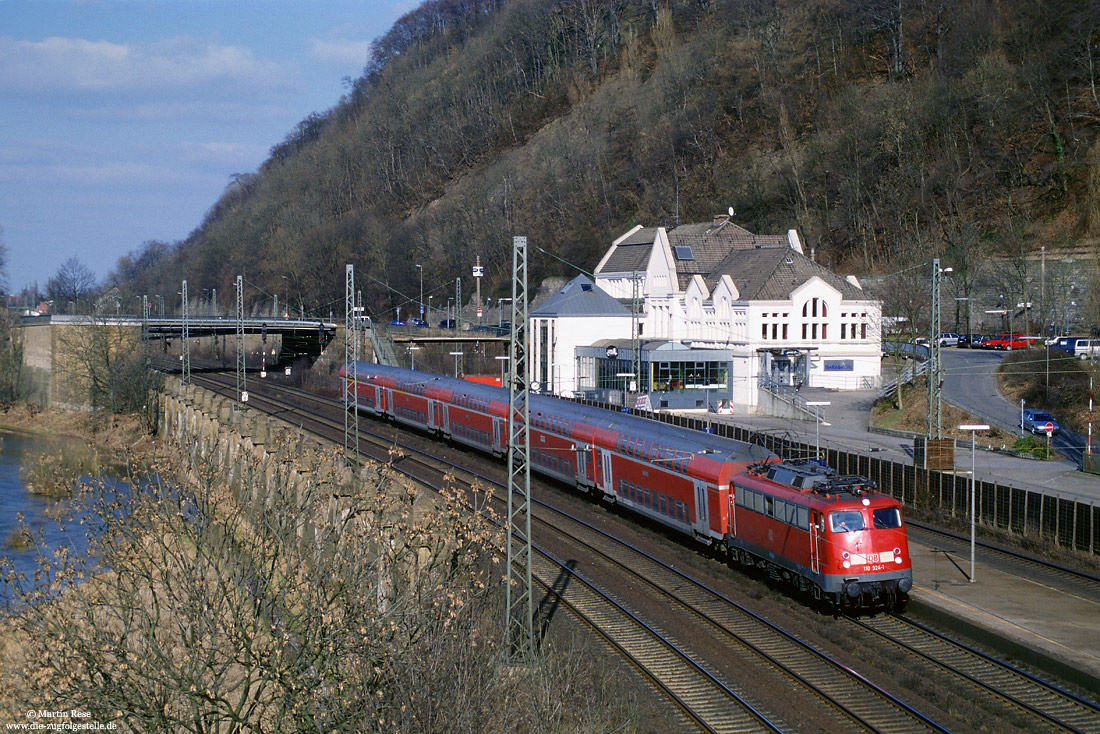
[(831, 536)]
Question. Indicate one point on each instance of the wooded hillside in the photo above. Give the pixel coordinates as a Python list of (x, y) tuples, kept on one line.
[(883, 131)]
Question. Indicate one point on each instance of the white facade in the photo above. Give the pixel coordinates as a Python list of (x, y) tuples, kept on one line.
[(791, 322), (554, 342)]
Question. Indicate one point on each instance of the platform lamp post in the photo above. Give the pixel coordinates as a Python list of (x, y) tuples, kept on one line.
[(412, 356), (817, 423), (973, 428), (503, 359), (456, 355)]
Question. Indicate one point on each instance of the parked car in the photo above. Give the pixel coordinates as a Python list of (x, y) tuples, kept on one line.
[(1008, 342), (1035, 421), (948, 339), (970, 341), (421, 323), (447, 324), (1086, 348), (397, 322)]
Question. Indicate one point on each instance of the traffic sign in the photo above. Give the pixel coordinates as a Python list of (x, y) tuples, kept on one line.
[(1049, 428)]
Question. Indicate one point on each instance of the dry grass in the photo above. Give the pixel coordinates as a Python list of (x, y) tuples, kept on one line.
[(913, 415)]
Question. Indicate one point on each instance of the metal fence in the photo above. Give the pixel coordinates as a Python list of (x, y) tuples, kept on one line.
[(1064, 522)]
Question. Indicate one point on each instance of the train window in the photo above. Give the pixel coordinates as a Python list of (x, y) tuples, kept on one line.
[(663, 506), (769, 505), (803, 520), (739, 495), (845, 522), (887, 517), (758, 502)]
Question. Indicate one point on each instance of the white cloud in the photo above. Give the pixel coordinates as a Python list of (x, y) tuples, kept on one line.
[(120, 173), (78, 65), (225, 153), (204, 111), (349, 54)]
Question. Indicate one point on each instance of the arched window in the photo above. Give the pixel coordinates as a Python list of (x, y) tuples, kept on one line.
[(815, 315)]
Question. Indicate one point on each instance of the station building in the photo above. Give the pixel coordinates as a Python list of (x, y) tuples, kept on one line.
[(709, 314)]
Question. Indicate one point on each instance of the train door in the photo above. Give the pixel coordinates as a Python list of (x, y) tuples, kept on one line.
[(815, 541), (732, 525), (441, 416), (500, 440), (702, 524), (605, 466)]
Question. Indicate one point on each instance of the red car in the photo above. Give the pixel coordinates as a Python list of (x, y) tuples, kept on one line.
[(1008, 342)]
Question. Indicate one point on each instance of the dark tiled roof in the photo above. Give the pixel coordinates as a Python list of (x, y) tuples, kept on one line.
[(711, 243), (627, 258), (579, 297), (766, 274)]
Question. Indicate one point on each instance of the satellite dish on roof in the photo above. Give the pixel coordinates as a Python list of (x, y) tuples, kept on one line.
[(730, 211)]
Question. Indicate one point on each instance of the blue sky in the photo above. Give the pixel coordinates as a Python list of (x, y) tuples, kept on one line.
[(122, 121)]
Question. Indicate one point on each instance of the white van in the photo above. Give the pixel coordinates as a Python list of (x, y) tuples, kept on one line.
[(1087, 349)]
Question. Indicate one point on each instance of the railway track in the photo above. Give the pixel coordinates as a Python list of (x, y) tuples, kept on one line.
[(1048, 707), (844, 692), (701, 697)]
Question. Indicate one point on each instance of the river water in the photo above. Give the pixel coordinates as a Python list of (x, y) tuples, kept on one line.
[(39, 514)]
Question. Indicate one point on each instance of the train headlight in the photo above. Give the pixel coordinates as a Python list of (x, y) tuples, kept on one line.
[(846, 564), (897, 555), (845, 555)]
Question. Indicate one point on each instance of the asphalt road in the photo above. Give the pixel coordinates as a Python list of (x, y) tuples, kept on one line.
[(969, 381)]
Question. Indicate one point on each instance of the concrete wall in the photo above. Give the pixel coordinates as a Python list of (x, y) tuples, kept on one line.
[(262, 459)]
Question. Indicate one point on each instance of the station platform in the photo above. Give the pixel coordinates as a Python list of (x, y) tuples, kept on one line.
[(1050, 629)]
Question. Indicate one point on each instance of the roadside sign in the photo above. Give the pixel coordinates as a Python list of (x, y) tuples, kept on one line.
[(1049, 428)]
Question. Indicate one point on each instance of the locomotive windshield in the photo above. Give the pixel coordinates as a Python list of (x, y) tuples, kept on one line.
[(887, 517), (846, 522)]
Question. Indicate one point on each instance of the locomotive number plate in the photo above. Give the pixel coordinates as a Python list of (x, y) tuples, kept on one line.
[(885, 557)]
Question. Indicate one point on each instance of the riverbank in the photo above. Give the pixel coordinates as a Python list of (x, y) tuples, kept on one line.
[(251, 591)]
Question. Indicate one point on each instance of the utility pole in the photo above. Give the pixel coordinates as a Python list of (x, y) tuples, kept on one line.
[(185, 343), (351, 373), (458, 303), (635, 340), (519, 638), (477, 280), (935, 412), (242, 387)]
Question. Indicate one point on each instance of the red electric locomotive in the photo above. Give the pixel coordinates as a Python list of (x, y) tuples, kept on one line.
[(832, 536)]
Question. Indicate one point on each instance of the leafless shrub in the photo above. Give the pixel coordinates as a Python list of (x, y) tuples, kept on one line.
[(277, 597)]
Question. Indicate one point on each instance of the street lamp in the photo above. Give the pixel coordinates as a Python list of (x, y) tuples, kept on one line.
[(933, 371), (412, 356), (456, 355), (286, 296), (503, 361), (421, 269), (973, 428), (817, 423)]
